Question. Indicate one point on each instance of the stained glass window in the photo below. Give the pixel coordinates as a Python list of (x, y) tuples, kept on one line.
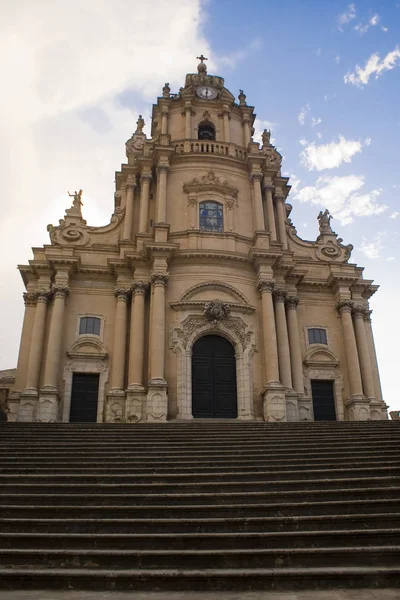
[(211, 216)]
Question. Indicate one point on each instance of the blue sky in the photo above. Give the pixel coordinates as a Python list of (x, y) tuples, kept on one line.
[(324, 75)]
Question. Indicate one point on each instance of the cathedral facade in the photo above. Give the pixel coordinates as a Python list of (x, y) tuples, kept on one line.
[(198, 299)]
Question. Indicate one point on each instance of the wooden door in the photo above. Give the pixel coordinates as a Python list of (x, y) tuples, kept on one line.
[(84, 398), (323, 400)]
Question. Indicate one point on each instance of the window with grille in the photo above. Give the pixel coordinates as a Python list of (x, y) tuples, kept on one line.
[(89, 325), (317, 336), (211, 216)]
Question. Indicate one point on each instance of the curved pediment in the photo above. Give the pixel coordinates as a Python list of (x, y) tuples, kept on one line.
[(87, 347), (320, 356), (197, 295)]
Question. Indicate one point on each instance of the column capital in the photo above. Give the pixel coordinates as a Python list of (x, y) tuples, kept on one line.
[(121, 294), (30, 298), (358, 311), (279, 295), (43, 295), (279, 196), (60, 290), (159, 279), (268, 187), (367, 315), (145, 177), (162, 169), (292, 302), (256, 177), (344, 306), (265, 285), (131, 182), (139, 288)]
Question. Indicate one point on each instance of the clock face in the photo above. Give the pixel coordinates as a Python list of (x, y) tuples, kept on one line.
[(206, 92)]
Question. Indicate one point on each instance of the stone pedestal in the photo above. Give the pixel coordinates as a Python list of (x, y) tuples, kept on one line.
[(135, 408), (157, 400), (304, 404), (274, 402), (28, 406), (115, 406), (292, 408), (358, 408), (48, 405)]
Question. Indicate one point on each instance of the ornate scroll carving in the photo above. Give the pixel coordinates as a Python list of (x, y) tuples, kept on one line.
[(292, 302), (279, 295), (216, 310), (139, 288), (345, 306), (60, 290), (30, 298), (265, 285), (122, 294), (159, 279)]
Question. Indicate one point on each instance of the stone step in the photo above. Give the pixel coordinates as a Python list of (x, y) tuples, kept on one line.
[(196, 498), (309, 523), (232, 540), (242, 486), (276, 558), (207, 579), (115, 467), (246, 477), (283, 508)]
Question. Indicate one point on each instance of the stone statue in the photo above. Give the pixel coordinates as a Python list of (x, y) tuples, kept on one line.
[(266, 137), (77, 202), (140, 124), (166, 91), (324, 219)]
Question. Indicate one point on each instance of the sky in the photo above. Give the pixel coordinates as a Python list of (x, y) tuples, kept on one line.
[(323, 75)]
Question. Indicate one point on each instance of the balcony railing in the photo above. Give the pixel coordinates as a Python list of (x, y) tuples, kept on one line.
[(210, 147)]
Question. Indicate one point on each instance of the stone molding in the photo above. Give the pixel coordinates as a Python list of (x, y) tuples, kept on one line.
[(210, 182)]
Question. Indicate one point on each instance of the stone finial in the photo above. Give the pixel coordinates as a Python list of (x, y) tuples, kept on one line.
[(324, 220), (166, 91), (202, 67), (140, 124), (242, 98)]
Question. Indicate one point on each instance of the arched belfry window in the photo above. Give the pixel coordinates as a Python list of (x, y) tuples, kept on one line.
[(206, 131), (211, 216)]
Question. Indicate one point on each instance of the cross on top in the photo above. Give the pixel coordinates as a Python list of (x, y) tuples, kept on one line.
[(202, 58)]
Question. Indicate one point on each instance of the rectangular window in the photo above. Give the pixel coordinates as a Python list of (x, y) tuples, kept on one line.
[(89, 325), (317, 336)]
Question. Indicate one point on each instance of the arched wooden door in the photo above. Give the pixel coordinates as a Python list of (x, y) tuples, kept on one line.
[(214, 379)]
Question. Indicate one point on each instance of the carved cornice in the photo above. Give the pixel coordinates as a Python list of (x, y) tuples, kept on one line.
[(139, 288), (345, 306), (266, 285), (210, 182), (159, 279), (60, 290), (122, 294), (292, 302), (215, 285), (198, 305)]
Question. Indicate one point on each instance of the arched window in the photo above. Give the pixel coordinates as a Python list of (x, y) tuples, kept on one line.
[(89, 325), (211, 216), (206, 131)]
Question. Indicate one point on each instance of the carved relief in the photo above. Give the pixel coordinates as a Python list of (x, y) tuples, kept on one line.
[(265, 285), (210, 182), (215, 311)]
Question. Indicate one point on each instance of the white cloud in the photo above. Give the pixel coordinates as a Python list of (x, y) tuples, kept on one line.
[(61, 111), (303, 113), (295, 183), (346, 16), (259, 126), (315, 122), (241, 55), (390, 258), (372, 248), (395, 215), (319, 135), (362, 28), (374, 65), (368, 141), (341, 196), (303, 142), (337, 59), (329, 156)]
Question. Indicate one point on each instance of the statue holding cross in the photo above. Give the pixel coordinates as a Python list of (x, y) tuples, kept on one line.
[(202, 67)]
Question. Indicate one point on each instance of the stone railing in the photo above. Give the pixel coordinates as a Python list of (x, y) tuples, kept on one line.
[(210, 147)]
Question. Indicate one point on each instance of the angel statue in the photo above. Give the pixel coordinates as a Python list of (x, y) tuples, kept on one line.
[(77, 202), (324, 219)]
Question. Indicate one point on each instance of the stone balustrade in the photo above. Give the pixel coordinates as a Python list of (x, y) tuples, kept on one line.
[(210, 147)]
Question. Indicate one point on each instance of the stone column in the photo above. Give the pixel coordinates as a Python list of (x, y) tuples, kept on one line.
[(226, 117), (258, 213), (188, 121), (281, 211), (271, 227), (357, 406), (145, 181), (282, 338), (294, 344), (273, 393), (157, 399), (48, 399), (128, 222), (372, 354), (164, 119), (246, 131), (363, 352), (136, 345), (37, 341), (162, 171), (120, 331)]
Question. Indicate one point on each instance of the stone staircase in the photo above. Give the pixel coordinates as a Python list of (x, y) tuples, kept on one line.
[(200, 505)]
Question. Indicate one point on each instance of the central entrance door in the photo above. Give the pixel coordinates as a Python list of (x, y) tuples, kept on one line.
[(323, 400), (214, 379), (84, 397)]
